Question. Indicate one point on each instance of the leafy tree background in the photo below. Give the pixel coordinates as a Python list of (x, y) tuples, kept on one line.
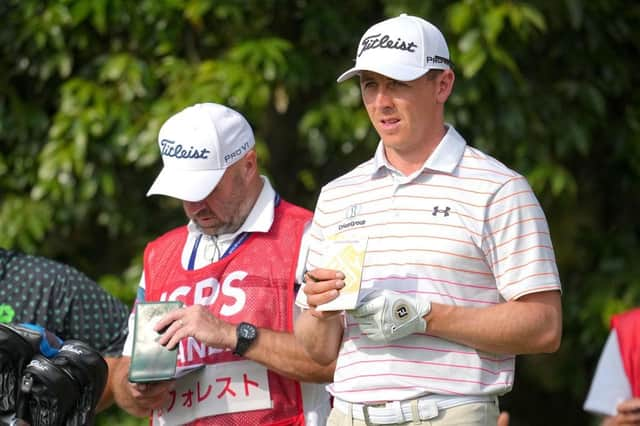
[(548, 87)]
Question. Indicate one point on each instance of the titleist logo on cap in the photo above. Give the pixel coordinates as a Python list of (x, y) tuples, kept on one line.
[(169, 149), (379, 41), (403, 48)]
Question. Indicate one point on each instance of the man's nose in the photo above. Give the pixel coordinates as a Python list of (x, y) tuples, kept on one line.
[(195, 206), (383, 98)]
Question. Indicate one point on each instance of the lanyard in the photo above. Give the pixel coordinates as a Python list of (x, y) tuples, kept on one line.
[(237, 242)]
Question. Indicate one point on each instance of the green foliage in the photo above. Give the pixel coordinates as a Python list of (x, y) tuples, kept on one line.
[(547, 87)]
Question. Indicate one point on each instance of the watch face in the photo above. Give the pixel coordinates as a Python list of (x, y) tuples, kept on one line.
[(247, 331)]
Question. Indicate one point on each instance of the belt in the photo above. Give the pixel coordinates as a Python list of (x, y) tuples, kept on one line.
[(392, 412)]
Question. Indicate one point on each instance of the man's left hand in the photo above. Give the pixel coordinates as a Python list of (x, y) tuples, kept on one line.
[(389, 316)]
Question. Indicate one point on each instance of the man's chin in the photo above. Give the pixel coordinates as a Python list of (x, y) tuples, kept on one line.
[(208, 227)]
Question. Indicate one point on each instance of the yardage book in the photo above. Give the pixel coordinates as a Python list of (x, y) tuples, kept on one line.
[(150, 361), (346, 256)]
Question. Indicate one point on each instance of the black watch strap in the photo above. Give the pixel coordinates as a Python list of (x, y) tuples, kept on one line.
[(246, 334)]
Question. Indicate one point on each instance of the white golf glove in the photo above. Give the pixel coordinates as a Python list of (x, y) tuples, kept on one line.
[(389, 316)]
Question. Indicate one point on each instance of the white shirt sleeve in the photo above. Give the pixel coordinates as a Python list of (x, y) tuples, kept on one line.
[(301, 268), (610, 385), (128, 344)]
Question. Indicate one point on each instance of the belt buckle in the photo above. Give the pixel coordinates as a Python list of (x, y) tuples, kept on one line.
[(393, 407), (365, 410)]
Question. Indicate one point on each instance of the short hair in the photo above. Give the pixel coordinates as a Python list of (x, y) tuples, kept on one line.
[(432, 74)]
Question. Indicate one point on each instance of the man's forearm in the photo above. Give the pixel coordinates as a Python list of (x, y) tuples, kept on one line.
[(321, 338), (283, 353), (531, 324)]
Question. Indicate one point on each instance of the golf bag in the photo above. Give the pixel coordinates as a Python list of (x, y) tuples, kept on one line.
[(18, 344), (59, 387)]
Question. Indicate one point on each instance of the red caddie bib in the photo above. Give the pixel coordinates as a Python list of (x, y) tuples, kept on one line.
[(253, 284), (627, 326)]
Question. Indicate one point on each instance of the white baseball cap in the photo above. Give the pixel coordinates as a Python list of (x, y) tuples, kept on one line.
[(197, 145), (402, 48)]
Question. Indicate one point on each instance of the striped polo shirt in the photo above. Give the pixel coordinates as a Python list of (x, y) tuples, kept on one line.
[(464, 230)]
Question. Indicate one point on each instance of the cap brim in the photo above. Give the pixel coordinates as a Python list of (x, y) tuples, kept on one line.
[(391, 70), (186, 185)]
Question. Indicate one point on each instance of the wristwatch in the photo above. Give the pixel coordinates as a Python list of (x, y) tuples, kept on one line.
[(247, 334)]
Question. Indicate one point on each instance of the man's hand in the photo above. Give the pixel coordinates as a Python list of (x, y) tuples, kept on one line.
[(322, 286), (138, 399), (388, 316), (198, 322), (503, 419), (151, 395), (628, 414)]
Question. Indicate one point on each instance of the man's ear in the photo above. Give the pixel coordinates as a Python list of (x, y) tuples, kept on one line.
[(445, 85), (250, 163)]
